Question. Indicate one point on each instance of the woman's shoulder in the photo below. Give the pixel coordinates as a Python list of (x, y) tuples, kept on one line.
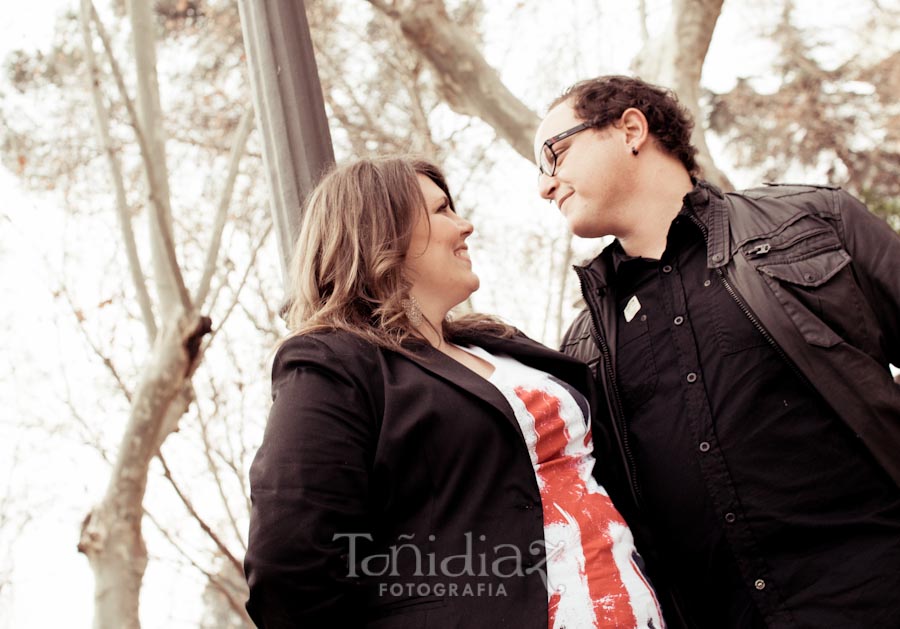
[(338, 340), (333, 349)]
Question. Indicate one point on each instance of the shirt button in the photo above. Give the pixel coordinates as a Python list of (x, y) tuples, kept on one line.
[(692, 377), (717, 257), (809, 277), (667, 268), (730, 518), (679, 320), (759, 584), (704, 446), (707, 283)]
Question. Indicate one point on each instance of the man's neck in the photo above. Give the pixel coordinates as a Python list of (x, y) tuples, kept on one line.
[(656, 205)]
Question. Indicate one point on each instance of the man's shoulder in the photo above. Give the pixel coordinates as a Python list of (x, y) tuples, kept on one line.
[(778, 202), (809, 196), (779, 190), (789, 193)]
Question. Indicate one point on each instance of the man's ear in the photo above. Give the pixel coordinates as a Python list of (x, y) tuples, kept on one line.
[(634, 123)]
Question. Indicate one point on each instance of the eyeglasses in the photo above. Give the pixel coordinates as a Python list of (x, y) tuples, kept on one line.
[(547, 164)]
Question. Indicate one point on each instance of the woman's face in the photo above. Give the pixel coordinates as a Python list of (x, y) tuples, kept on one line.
[(437, 260)]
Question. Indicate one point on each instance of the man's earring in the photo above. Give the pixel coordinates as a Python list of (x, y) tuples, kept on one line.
[(634, 151)]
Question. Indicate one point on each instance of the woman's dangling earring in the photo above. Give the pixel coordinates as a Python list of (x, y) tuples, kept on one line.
[(634, 151), (412, 311)]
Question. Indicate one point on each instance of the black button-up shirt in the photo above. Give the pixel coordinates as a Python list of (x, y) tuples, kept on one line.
[(766, 508)]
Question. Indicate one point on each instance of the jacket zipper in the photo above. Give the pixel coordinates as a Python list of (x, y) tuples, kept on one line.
[(766, 247), (618, 415), (750, 316)]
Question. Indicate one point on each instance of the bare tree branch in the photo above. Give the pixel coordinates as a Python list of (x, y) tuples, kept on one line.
[(642, 11), (420, 115), (106, 360), (564, 275), (157, 184), (237, 151), (101, 119), (466, 82), (237, 292), (236, 606), (220, 486), (13, 522), (94, 438), (223, 548)]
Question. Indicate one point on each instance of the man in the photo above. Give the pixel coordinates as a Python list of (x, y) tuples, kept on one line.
[(743, 342)]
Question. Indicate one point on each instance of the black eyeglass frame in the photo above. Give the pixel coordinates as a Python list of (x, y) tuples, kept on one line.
[(548, 146)]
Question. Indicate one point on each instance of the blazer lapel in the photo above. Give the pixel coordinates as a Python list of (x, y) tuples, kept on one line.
[(539, 356), (456, 373), (521, 348)]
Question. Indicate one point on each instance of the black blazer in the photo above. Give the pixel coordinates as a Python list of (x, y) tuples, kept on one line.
[(396, 492)]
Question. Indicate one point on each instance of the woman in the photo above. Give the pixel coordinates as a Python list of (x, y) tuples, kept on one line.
[(418, 471)]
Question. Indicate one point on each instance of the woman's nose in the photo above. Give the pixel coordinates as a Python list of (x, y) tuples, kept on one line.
[(466, 227)]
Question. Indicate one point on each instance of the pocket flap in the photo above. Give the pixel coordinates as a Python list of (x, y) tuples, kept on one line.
[(813, 271)]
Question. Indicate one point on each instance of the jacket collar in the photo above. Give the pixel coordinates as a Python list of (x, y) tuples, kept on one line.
[(708, 205)]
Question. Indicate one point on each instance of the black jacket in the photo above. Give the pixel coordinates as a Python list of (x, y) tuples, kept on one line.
[(816, 273), (819, 277), (368, 442)]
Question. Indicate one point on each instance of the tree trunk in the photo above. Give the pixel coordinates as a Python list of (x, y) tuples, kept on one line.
[(675, 60), (111, 534), (469, 85)]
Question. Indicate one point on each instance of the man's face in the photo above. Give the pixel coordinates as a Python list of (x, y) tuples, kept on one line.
[(592, 173)]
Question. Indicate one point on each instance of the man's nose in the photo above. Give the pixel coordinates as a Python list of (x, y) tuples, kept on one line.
[(546, 186)]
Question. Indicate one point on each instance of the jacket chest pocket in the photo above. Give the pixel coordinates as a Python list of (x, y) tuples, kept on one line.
[(635, 365), (807, 269)]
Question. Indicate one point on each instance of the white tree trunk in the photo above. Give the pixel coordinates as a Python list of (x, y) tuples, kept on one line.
[(675, 60), (169, 284), (111, 534), (101, 116)]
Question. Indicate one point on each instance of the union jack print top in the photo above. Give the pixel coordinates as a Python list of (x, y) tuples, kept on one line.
[(593, 573)]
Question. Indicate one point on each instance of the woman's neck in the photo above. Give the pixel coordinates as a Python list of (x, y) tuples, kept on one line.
[(432, 331)]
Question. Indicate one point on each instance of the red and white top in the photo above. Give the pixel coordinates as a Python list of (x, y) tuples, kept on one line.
[(593, 572)]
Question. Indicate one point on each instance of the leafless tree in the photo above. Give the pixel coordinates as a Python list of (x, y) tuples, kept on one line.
[(193, 253)]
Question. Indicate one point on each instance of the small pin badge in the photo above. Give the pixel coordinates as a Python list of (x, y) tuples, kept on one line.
[(632, 308)]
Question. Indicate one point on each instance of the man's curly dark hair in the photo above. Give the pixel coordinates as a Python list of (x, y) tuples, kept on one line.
[(603, 100)]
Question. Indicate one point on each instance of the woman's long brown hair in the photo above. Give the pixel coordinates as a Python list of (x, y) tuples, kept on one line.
[(347, 270)]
